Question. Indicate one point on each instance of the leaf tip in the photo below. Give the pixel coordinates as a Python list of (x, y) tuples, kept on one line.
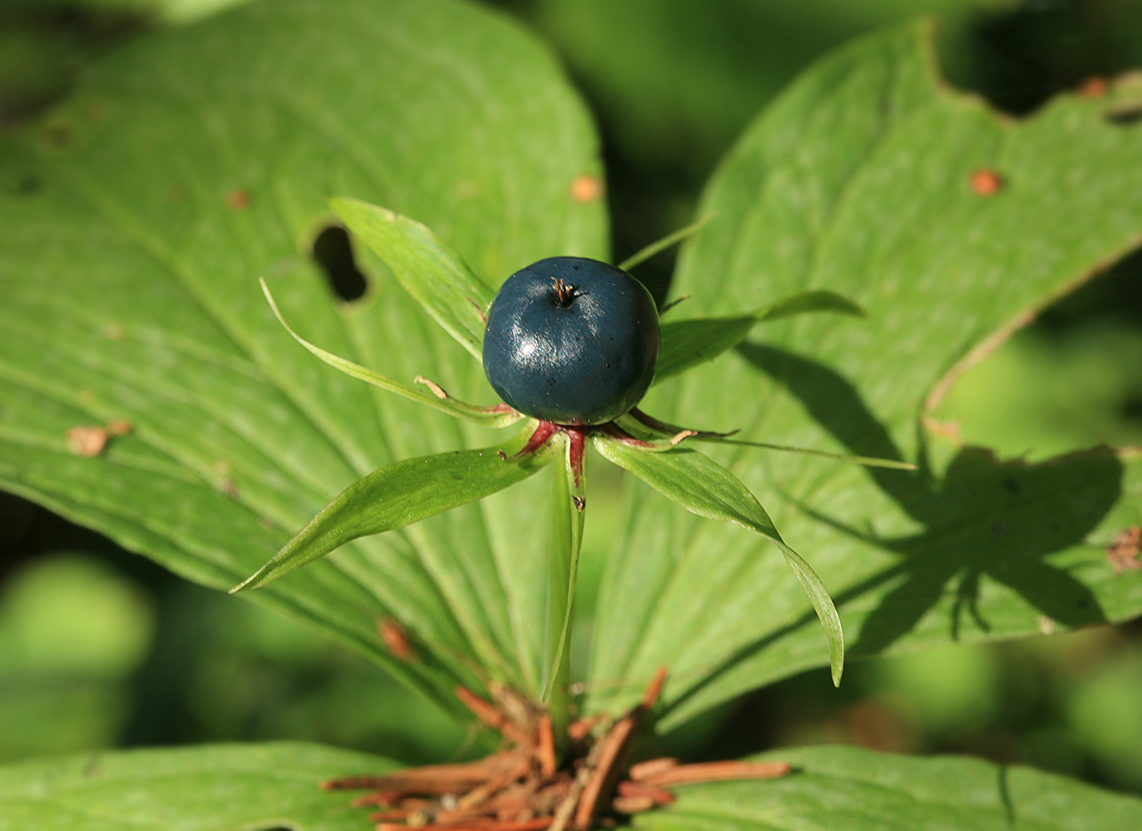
[(245, 585), (255, 581), (837, 655)]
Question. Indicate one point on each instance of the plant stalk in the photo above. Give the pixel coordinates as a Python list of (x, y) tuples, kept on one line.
[(569, 504)]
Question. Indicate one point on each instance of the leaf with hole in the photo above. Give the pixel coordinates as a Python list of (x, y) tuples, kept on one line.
[(239, 435), (428, 269)]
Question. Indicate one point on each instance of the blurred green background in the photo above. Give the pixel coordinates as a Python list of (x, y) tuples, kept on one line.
[(100, 648)]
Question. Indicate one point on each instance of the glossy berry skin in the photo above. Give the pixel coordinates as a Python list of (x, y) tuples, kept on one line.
[(571, 341)]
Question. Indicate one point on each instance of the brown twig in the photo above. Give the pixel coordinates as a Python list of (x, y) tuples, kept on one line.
[(612, 753), (545, 747), (714, 772), (524, 787), (629, 789), (492, 717)]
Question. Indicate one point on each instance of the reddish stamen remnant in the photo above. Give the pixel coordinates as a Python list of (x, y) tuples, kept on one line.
[(577, 452), (527, 786), (542, 433), (614, 431)]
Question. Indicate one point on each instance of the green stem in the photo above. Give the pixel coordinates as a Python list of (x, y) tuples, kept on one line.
[(568, 526)]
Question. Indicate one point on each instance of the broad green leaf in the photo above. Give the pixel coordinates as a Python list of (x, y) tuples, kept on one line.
[(135, 222), (708, 490), (858, 181), (276, 785), (861, 790), (428, 269), (220, 787), (401, 494), (687, 343)]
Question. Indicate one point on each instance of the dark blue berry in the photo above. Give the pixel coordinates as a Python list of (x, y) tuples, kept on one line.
[(571, 341)]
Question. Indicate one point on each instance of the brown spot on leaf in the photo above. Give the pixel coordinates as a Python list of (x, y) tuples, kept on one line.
[(1093, 87), (90, 440), (1122, 553), (395, 637), (944, 429), (986, 182), (118, 427), (239, 199), (58, 135), (587, 188), (87, 440)]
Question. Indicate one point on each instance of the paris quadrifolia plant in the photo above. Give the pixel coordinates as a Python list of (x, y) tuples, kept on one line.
[(571, 346)]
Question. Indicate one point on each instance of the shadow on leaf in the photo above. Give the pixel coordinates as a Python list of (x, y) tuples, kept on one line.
[(985, 517)]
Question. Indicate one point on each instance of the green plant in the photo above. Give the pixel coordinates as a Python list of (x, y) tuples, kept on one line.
[(166, 183)]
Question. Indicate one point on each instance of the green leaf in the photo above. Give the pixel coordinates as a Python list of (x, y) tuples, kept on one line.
[(687, 343), (428, 269), (135, 221), (221, 787), (276, 785), (705, 488), (828, 191), (861, 790), (402, 493)]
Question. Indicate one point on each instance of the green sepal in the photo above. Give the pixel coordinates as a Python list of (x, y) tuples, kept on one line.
[(660, 436), (678, 236), (497, 416), (429, 270), (687, 343), (703, 487), (403, 493)]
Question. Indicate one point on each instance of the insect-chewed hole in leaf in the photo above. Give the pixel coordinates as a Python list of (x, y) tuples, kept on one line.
[(1125, 114), (334, 253)]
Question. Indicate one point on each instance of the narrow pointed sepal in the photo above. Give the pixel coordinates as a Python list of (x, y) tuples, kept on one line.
[(703, 487), (403, 493)]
